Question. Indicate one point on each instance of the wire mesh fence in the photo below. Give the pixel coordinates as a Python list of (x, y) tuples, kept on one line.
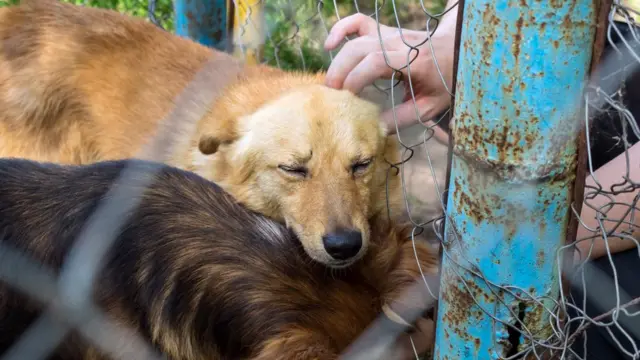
[(603, 300)]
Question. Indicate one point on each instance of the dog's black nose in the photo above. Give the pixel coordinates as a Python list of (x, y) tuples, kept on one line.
[(343, 244)]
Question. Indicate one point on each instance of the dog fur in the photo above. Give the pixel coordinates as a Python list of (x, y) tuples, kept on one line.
[(194, 272), (80, 85)]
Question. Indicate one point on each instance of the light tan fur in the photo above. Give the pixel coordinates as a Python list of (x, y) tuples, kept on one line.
[(80, 85)]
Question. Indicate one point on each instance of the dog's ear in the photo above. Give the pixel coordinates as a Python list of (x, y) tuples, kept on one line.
[(244, 153), (208, 145), (233, 144), (391, 148), (212, 136)]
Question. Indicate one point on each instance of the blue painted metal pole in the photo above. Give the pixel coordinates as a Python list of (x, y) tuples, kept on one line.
[(205, 21), (522, 68)]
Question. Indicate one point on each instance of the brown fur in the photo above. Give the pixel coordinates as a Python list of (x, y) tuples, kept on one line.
[(196, 274), (80, 85)]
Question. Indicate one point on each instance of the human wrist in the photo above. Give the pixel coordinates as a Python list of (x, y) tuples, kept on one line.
[(450, 19)]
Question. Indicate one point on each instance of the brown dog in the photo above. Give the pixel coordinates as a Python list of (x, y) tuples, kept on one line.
[(80, 85), (193, 272)]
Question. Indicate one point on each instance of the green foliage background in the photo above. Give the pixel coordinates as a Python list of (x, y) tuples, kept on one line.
[(287, 45)]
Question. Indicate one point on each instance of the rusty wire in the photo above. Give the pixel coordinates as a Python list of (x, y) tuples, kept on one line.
[(418, 148)]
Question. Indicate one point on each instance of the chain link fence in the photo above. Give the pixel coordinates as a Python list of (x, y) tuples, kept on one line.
[(602, 304), (603, 300)]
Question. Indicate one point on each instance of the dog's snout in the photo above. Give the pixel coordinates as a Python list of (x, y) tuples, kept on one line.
[(343, 244)]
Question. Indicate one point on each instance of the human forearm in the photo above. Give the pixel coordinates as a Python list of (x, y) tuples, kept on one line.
[(616, 207), (451, 16)]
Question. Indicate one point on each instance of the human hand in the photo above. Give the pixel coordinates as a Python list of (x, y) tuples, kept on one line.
[(361, 61)]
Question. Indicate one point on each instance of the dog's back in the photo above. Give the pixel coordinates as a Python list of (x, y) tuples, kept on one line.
[(191, 271), (51, 50), (82, 84)]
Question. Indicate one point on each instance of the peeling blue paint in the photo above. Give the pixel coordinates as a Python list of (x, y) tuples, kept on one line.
[(521, 73), (205, 21)]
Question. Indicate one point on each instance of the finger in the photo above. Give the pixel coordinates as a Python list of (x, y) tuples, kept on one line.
[(348, 57), (375, 66), (441, 135), (405, 114), (359, 24)]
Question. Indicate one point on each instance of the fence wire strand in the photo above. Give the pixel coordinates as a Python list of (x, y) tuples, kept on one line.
[(292, 33)]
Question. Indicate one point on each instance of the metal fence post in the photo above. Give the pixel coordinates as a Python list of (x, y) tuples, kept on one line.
[(249, 30), (522, 67), (205, 21)]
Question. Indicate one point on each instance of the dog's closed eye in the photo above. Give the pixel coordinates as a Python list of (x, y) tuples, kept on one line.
[(294, 170), (361, 166)]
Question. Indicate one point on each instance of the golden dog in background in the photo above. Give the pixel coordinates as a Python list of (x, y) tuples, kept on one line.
[(80, 85)]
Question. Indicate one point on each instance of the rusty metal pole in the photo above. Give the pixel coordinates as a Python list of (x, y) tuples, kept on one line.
[(205, 21), (249, 30), (523, 66)]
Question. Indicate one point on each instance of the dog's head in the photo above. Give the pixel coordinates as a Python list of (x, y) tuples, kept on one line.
[(315, 158)]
